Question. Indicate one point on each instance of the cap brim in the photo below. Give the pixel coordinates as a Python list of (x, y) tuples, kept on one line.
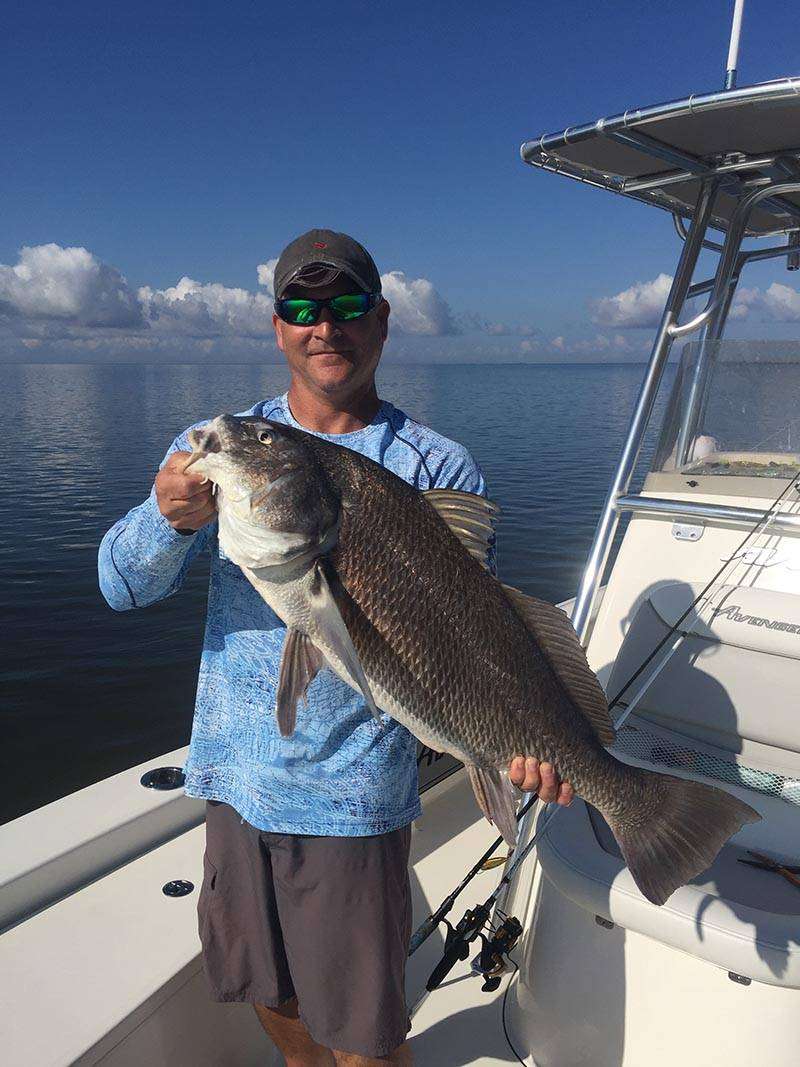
[(330, 273)]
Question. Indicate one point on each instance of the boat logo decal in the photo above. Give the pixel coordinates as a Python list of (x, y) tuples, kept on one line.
[(733, 614)]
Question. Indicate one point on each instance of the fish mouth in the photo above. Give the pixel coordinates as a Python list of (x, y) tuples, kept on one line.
[(204, 441)]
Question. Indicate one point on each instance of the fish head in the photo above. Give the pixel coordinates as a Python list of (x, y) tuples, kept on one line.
[(276, 504)]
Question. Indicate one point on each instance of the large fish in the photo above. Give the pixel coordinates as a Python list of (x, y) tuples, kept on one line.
[(384, 584)]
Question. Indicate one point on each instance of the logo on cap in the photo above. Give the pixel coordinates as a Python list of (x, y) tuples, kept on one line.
[(320, 244)]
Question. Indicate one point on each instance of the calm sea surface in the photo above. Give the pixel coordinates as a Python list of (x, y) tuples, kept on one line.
[(86, 692)]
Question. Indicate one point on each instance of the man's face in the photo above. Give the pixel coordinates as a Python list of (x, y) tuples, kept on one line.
[(330, 357)]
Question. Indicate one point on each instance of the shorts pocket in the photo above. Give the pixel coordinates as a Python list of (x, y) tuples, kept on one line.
[(207, 894)]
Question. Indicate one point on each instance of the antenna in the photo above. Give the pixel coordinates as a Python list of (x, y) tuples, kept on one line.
[(733, 50)]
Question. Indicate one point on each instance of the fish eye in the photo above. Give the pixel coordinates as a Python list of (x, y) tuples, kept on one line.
[(265, 437)]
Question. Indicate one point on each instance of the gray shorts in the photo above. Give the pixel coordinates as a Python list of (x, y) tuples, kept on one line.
[(325, 919)]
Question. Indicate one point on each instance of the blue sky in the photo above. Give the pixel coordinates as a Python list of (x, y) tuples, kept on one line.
[(194, 142)]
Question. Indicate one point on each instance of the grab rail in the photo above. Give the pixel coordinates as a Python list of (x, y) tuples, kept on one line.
[(687, 508)]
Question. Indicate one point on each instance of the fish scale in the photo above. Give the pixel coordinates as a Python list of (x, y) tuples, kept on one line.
[(380, 581)]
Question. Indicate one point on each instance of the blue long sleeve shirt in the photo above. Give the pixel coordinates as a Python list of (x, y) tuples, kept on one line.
[(341, 773)]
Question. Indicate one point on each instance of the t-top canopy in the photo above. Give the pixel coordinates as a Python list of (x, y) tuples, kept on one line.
[(658, 154)]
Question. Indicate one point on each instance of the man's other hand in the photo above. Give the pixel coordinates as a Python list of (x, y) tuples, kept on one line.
[(185, 500), (533, 777)]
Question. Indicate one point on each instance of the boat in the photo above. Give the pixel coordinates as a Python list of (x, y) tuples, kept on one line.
[(693, 629)]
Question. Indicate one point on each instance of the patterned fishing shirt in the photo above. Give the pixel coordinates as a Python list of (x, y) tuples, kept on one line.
[(341, 773)]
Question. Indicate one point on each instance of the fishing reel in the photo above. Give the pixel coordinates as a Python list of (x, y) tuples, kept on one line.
[(490, 962), (457, 942)]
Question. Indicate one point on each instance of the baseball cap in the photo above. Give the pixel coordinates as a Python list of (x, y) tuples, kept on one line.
[(332, 254)]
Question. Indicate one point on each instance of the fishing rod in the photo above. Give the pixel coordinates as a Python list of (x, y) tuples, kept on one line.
[(425, 929), (471, 925)]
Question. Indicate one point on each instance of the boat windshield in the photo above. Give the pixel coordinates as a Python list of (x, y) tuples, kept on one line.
[(734, 410)]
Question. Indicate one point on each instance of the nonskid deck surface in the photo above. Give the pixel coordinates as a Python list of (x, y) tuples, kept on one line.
[(457, 1024), (116, 965)]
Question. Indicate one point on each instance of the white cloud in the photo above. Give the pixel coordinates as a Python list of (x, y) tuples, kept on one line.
[(639, 306), (416, 305), (743, 302), (529, 346), (69, 285), (65, 304), (780, 303), (502, 329), (62, 302), (209, 310), (602, 347), (266, 275)]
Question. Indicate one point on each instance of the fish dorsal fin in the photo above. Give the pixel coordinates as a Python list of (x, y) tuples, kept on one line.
[(559, 643), (470, 518)]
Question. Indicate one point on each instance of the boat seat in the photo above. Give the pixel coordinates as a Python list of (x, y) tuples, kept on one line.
[(733, 682), (718, 712), (722, 708), (740, 918)]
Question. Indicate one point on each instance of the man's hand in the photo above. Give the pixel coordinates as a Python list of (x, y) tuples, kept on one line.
[(185, 500), (533, 777)]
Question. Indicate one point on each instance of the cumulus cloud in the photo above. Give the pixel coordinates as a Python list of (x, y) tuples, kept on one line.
[(69, 285), (600, 346), (417, 307), (529, 346), (639, 306), (61, 302), (196, 309), (503, 329), (266, 276), (780, 303)]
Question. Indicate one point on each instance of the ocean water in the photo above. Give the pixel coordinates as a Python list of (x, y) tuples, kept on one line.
[(86, 692)]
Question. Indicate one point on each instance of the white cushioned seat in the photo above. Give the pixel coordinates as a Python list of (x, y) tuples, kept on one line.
[(736, 917)]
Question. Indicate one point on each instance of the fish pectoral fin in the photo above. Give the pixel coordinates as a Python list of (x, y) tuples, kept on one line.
[(300, 662), (496, 798), (331, 626)]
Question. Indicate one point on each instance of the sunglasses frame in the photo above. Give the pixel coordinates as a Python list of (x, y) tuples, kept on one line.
[(320, 305)]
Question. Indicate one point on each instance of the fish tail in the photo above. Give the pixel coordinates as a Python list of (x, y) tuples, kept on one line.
[(671, 829)]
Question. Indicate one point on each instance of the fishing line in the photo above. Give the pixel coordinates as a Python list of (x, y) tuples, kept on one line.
[(509, 1042)]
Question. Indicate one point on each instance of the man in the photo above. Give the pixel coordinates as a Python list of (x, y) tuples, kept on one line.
[(304, 909)]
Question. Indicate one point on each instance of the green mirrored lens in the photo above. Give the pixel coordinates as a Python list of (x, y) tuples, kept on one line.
[(350, 305), (302, 312)]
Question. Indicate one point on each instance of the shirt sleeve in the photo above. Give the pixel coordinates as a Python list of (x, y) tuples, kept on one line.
[(461, 471), (142, 559)]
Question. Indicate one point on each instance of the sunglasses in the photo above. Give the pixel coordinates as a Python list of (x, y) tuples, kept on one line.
[(344, 308)]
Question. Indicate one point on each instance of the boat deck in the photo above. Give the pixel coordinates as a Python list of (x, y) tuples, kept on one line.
[(457, 1024), (112, 975)]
